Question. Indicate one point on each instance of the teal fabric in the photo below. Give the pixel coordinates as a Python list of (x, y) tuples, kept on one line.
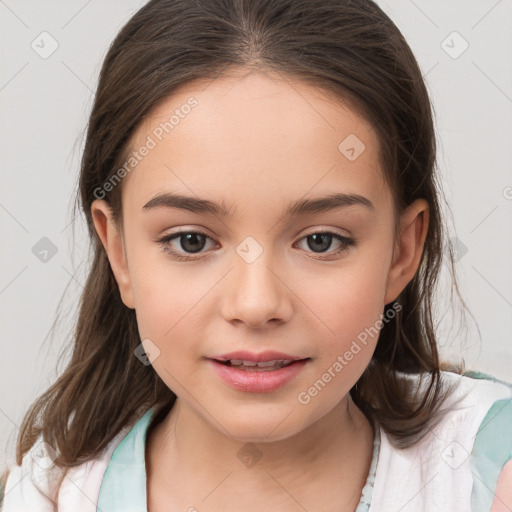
[(485, 376), (492, 449), (123, 488)]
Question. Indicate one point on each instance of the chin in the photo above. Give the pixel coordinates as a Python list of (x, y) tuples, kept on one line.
[(263, 424)]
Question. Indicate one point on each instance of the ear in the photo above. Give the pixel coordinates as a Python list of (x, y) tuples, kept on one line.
[(113, 242), (408, 249)]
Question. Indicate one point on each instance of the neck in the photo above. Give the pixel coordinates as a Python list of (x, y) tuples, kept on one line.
[(332, 455)]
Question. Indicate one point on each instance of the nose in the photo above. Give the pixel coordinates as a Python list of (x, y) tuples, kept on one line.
[(256, 294)]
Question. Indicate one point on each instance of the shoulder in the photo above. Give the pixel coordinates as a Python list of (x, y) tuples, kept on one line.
[(491, 455), (480, 384), (477, 410), (34, 483), (480, 410), (475, 391), (471, 402), (39, 484), (460, 459)]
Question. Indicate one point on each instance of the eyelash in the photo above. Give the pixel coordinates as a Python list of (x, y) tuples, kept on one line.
[(347, 243)]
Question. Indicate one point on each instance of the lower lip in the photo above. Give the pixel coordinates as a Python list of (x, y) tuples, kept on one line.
[(254, 381)]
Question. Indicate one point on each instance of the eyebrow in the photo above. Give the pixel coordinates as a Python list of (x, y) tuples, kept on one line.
[(296, 208)]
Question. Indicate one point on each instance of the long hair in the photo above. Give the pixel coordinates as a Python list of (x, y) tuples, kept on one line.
[(348, 47)]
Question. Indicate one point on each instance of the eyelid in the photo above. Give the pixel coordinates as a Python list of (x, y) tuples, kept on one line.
[(183, 231), (314, 230), (326, 229)]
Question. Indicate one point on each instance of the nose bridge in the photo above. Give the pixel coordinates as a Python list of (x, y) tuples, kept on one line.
[(257, 293)]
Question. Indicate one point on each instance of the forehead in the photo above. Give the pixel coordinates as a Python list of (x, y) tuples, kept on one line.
[(254, 137)]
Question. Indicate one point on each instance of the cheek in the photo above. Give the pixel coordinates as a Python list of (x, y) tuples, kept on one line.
[(165, 306), (346, 300), (171, 303), (169, 312), (349, 306)]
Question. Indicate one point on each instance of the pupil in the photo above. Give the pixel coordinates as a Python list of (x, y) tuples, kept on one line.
[(321, 241)]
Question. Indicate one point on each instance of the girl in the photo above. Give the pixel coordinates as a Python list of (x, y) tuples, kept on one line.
[(257, 328)]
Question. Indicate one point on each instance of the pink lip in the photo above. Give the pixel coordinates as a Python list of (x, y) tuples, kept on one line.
[(268, 355), (254, 381)]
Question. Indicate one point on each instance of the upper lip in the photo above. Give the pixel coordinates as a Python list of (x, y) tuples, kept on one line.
[(268, 355)]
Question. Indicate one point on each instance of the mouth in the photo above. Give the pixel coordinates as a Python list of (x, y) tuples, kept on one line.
[(257, 373), (262, 366)]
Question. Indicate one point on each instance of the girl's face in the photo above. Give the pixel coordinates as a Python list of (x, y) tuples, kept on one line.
[(290, 249)]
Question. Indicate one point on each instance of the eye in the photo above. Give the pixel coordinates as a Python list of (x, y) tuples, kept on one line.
[(191, 242), (320, 241)]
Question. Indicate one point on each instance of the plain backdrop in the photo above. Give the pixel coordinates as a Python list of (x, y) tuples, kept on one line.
[(464, 48)]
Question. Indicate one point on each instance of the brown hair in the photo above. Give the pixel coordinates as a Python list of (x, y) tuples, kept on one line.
[(348, 47)]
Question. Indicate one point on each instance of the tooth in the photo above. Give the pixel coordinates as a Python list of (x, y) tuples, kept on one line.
[(264, 364)]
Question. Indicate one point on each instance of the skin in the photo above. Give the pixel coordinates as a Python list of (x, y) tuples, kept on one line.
[(258, 142), (503, 497)]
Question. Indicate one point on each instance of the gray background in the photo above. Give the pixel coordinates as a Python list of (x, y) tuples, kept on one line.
[(45, 104)]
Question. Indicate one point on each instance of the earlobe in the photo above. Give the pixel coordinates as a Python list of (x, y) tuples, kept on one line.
[(408, 249), (112, 241)]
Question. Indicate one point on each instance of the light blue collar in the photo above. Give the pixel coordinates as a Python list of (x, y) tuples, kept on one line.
[(123, 488)]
